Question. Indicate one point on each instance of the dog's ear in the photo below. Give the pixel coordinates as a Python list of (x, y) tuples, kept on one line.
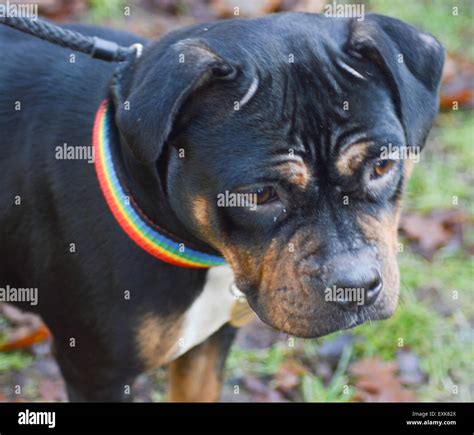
[(413, 62), (158, 90)]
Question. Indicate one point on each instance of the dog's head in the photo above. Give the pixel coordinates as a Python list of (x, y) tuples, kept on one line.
[(289, 140)]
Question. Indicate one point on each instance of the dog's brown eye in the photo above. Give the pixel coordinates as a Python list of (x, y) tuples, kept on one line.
[(381, 167), (265, 194)]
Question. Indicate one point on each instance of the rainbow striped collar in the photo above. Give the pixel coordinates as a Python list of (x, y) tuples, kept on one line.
[(131, 219)]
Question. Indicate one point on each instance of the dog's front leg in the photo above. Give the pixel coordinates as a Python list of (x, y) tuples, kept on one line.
[(196, 376)]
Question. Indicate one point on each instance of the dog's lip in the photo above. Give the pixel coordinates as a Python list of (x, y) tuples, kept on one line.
[(340, 322)]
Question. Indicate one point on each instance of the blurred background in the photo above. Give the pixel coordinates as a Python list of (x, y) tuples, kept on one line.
[(425, 352)]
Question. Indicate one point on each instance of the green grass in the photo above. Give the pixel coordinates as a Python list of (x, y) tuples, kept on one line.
[(436, 17), (261, 362), (14, 361), (101, 11), (338, 389), (445, 168), (17, 360)]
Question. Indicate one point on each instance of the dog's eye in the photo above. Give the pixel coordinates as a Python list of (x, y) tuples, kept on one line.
[(381, 167), (265, 195)]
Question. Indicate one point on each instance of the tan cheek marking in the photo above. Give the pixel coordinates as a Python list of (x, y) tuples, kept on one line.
[(202, 213), (350, 160), (158, 339), (200, 209), (383, 232), (241, 261)]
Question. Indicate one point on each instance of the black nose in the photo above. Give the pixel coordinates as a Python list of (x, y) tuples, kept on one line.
[(354, 285)]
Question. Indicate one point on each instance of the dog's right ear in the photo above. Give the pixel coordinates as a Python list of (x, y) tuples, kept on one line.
[(413, 63), (159, 88)]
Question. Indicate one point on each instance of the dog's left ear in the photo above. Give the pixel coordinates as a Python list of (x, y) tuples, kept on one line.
[(157, 89), (413, 61)]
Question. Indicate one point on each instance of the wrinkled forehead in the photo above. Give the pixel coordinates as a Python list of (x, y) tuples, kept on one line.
[(293, 110)]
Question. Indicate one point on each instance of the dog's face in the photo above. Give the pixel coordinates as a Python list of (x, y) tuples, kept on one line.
[(289, 156)]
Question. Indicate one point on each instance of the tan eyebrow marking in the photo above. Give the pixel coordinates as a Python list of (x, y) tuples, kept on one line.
[(295, 172), (351, 158)]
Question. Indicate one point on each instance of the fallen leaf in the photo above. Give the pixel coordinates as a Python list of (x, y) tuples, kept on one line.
[(61, 10), (25, 337), (27, 329), (430, 232), (457, 83), (377, 381), (288, 377)]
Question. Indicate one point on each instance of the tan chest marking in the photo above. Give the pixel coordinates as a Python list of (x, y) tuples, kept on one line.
[(211, 310), (161, 340)]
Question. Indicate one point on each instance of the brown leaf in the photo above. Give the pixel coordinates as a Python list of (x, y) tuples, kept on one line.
[(26, 330), (377, 381), (24, 337), (457, 84), (61, 10), (433, 231), (289, 375)]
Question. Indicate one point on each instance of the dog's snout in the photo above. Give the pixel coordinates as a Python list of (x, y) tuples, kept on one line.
[(354, 283)]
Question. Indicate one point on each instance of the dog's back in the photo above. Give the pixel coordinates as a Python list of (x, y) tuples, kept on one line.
[(48, 97)]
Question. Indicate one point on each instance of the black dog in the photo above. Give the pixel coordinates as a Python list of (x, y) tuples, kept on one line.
[(294, 110)]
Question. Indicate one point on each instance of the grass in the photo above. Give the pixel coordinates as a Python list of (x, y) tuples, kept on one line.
[(262, 361), (338, 390), (14, 361), (101, 11), (437, 17), (445, 168)]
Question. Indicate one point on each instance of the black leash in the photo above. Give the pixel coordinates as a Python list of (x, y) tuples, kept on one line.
[(95, 47)]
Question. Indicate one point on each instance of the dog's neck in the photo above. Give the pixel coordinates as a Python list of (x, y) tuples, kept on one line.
[(145, 188)]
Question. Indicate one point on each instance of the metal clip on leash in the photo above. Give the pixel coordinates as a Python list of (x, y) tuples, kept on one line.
[(95, 47)]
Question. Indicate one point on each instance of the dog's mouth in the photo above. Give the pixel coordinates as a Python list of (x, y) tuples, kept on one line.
[(316, 318)]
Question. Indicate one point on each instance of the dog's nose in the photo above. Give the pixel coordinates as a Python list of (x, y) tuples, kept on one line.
[(354, 286)]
